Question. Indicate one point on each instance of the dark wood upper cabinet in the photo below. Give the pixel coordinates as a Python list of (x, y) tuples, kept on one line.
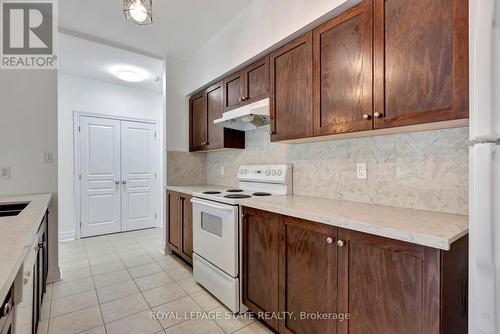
[(174, 215), (261, 240), (233, 91), (187, 227), (308, 275), (343, 72), (198, 124), (420, 61), (247, 85), (205, 107), (256, 81), (291, 90), (214, 110)]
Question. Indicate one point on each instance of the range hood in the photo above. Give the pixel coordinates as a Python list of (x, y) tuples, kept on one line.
[(246, 118)]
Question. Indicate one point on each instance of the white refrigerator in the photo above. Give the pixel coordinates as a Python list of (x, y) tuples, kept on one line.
[(484, 191)]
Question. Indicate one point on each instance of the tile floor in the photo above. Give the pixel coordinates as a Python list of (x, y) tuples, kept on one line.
[(112, 283)]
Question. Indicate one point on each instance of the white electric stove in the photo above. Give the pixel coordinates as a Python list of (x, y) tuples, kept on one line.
[(217, 229)]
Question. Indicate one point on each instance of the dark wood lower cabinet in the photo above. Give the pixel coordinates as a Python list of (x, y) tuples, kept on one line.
[(180, 225), (174, 216), (307, 276), (187, 228), (261, 240), (375, 284)]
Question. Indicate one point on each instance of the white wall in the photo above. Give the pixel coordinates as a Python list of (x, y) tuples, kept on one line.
[(101, 98), (28, 127), (260, 26), (177, 104)]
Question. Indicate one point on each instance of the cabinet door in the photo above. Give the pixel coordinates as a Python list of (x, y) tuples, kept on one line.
[(261, 239), (215, 109), (343, 72), (387, 286), (187, 228), (198, 122), (291, 90), (256, 81), (233, 91), (174, 221), (308, 276), (421, 61)]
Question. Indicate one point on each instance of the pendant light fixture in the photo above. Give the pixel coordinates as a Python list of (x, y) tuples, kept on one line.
[(138, 11)]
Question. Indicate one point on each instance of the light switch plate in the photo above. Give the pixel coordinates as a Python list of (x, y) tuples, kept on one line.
[(222, 171), (361, 171), (5, 172)]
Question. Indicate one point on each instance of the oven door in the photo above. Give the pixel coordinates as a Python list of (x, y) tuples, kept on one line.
[(215, 234)]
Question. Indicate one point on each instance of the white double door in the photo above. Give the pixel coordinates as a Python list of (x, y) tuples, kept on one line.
[(118, 172)]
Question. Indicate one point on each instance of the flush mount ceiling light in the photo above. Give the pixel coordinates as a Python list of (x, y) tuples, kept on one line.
[(129, 74), (138, 11)]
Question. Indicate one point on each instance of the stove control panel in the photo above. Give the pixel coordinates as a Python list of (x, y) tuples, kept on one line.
[(264, 173)]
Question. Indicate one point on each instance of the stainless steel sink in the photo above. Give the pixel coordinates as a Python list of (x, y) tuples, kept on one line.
[(12, 209)]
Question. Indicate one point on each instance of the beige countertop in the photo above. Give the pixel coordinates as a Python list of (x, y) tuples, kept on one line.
[(426, 228), (17, 234), (196, 188)]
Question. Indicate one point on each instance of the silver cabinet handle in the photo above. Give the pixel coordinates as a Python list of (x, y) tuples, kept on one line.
[(366, 116), (340, 243), (6, 309), (329, 240), (377, 114)]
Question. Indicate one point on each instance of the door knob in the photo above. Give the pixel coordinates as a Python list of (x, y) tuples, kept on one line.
[(329, 240), (271, 132), (117, 182), (340, 243), (124, 182), (366, 116), (377, 114)]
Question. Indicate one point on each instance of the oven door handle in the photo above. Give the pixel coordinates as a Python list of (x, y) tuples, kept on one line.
[(212, 205)]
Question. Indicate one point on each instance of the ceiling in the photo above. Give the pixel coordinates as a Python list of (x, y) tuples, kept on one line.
[(180, 26), (98, 61)]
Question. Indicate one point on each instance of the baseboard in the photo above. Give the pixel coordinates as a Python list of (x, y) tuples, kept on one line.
[(66, 236), (165, 250), (54, 275)]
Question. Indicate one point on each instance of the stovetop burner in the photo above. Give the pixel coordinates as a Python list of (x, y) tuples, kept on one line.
[(211, 192), (234, 191), (261, 194), (237, 196)]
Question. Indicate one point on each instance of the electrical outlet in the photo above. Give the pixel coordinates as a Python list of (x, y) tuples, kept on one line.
[(5, 172), (222, 171), (361, 171), (47, 157)]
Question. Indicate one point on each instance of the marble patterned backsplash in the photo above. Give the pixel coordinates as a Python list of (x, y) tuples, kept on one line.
[(421, 170), (184, 168)]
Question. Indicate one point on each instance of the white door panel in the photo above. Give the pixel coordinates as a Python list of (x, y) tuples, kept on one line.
[(100, 170), (139, 154)]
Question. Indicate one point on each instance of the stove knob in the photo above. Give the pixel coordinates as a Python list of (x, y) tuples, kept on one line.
[(268, 172), (241, 171), (280, 172), (274, 172)]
